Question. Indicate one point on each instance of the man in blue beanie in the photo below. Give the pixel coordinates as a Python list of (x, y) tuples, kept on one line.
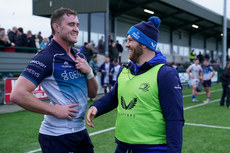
[(147, 95)]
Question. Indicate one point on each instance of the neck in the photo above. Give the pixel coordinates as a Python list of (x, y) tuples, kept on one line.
[(145, 57), (63, 44)]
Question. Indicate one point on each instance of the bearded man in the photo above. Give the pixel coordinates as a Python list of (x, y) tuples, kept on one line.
[(147, 95)]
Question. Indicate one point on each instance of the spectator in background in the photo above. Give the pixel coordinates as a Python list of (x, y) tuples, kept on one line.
[(37, 42), (225, 80), (206, 56), (174, 65), (4, 41), (180, 68), (21, 39), (110, 40), (40, 37), (106, 74), (208, 73), (8, 31), (101, 45), (192, 56), (115, 70), (113, 52), (50, 38), (87, 51), (12, 34), (120, 50), (93, 64), (31, 40), (2, 31), (195, 76), (44, 43), (93, 48), (200, 57)]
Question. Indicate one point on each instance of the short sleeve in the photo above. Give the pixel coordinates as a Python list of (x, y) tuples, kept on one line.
[(211, 68), (190, 67), (200, 68), (39, 67)]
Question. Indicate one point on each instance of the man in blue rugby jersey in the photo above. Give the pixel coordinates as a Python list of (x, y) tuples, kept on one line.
[(68, 80)]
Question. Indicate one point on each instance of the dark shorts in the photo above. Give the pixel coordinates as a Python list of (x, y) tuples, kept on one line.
[(157, 149), (78, 142), (131, 148), (207, 83)]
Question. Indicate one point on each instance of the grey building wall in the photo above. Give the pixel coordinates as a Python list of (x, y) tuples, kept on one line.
[(97, 21), (180, 38), (197, 41), (164, 36), (211, 44), (83, 20)]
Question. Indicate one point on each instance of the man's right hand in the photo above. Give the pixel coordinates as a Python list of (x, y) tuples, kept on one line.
[(65, 111), (90, 116)]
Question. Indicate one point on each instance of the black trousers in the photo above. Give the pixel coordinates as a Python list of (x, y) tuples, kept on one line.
[(78, 142), (226, 93)]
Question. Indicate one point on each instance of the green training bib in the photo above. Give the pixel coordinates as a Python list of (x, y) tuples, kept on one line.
[(139, 115)]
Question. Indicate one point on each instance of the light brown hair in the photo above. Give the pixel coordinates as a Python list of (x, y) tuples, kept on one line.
[(57, 15)]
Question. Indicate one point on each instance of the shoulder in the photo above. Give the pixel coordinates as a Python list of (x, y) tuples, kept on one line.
[(190, 66), (44, 54), (166, 70), (210, 67), (167, 77)]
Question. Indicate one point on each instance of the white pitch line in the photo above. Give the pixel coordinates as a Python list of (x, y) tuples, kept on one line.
[(102, 131), (33, 151), (198, 105), (112, 128), (210, 126)]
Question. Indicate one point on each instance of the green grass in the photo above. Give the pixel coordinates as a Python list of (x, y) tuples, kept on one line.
[(19, 130)]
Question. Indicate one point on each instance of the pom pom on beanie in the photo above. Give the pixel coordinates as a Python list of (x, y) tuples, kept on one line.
[(155, 20)]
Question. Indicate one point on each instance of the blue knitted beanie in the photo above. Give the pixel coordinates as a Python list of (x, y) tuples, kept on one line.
[(146, 33)]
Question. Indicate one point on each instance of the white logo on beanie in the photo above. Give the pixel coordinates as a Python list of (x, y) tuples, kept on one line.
[(136, 35), (154, 45)]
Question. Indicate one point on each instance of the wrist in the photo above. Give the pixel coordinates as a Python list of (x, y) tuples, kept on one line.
[(52, 111), (90, 75)]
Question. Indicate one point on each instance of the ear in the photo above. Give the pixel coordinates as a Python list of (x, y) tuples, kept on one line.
[(56, 27), (143, 46)]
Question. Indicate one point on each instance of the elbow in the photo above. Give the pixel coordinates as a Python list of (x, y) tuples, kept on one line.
[(93, 93), (14, 97)]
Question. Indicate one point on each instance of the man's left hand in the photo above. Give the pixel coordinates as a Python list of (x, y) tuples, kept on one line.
[(82, 65)]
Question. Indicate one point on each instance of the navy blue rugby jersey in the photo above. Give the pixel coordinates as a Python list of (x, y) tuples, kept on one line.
[(63, 84)]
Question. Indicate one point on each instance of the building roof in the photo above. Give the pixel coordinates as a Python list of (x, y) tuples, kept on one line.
[(176, 14)]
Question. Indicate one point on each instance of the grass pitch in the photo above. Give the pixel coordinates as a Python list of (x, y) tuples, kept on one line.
[(19, 130)]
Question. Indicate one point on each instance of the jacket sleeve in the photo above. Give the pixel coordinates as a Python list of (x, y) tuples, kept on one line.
[(108, 102), (171, 101), (101, 67)]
